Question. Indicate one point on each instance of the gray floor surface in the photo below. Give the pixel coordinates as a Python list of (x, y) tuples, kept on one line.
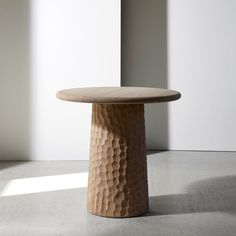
[(191, 193)]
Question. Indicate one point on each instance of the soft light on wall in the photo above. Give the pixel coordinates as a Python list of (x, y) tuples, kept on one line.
[(48, 45), (74, 44)]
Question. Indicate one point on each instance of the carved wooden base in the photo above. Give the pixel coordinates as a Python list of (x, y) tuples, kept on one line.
[(117, 168)]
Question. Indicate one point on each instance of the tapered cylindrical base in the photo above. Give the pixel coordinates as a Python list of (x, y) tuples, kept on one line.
[(117, 168)]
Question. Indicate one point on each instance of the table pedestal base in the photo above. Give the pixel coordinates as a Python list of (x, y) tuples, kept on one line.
[(117, 168)]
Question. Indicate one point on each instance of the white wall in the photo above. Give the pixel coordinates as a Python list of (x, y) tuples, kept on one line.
[(190, 46), (71, 43), (202, 65), (75, 44)]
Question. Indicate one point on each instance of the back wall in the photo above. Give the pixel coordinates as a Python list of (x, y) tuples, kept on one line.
[(187, 45), (48, 45)]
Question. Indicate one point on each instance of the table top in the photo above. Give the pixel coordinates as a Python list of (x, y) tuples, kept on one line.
[(118, 95)]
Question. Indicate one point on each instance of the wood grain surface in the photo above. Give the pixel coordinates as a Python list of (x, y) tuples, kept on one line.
[(119, 95)]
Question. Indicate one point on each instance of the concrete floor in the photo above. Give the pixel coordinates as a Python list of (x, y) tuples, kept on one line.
[(191, 193)]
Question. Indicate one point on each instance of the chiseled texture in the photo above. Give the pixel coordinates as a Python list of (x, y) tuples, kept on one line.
[(117, 169)]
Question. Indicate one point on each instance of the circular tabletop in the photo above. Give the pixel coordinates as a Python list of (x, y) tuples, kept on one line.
[(118, 95)]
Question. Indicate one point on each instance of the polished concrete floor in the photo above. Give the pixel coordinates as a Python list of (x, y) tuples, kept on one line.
[(191, 193)]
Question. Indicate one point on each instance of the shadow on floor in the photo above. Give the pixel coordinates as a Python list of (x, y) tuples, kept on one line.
[(151, 152), (211, 195), (9, 164)]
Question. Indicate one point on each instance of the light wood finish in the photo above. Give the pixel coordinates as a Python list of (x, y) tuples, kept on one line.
[(113, 95), (117, 168), (117, 171)]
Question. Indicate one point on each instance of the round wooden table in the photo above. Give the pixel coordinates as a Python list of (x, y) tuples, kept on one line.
[(117, 184)]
